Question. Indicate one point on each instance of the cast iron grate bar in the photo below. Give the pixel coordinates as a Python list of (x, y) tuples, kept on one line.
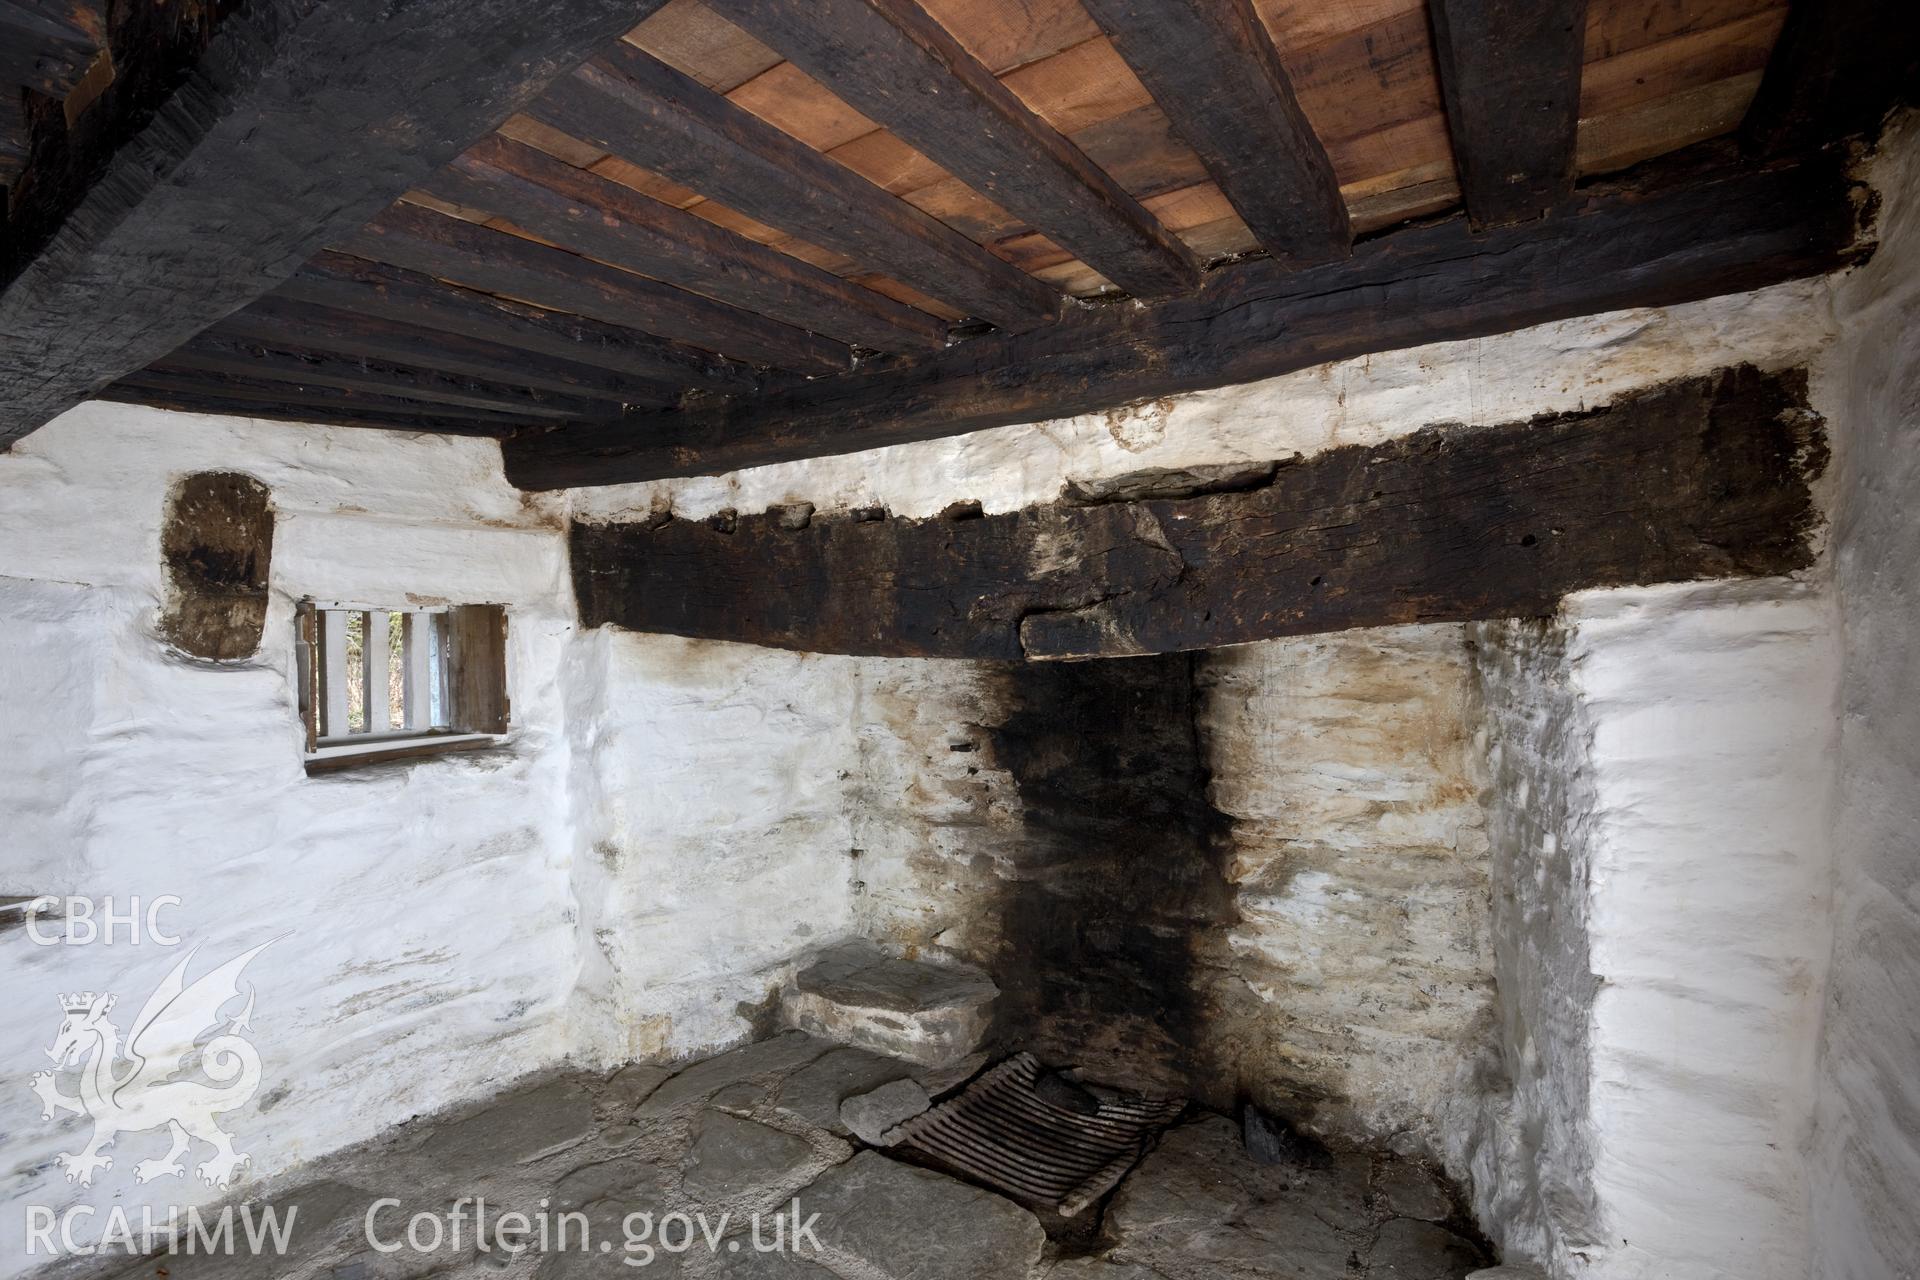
[(1002, 1132)]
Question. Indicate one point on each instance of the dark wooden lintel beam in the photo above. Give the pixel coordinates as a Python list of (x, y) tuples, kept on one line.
[(633, 105), (298, 123), (1705, 477), (1693, 228), (1212, 67), (1510, 78), (496, 261), (895, 64), (618, 225)]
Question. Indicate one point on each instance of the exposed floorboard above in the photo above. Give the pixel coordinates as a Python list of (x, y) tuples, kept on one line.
[(1697, 227), (681, 236)]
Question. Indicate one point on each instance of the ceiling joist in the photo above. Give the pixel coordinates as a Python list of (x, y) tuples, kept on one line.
[(513, 266), (299, 123), (633, 105), (617, 225), (1212, 67), (1675, 234), (879, 56), (1510, 72), (381, 291)]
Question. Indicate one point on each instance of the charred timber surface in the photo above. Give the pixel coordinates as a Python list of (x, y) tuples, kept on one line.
[(298, 122), (1705, 477), (1688, 228)]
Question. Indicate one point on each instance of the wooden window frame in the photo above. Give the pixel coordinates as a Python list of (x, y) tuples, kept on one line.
[(454, 668)]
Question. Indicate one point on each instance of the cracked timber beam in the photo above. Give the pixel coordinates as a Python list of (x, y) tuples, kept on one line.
[(1705, 477)]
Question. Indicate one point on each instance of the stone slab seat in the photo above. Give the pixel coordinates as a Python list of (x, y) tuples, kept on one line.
[(856, 994)]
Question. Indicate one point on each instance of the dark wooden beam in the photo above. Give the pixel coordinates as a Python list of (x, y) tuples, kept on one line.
[(376, 289), (1703, 478), (275, 322), (892, 62), (299, 122), (618, 225), (273, 402), (635, 106), (1839, 66), (42, 47), (213, 352), (1212, 67), (500, 262), (1675, 233), (1510, 77)]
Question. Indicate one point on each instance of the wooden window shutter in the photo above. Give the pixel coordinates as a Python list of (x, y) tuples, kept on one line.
[(477, 668), (309, 670)]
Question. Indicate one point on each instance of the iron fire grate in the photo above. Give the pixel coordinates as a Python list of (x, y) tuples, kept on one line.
[(1000, 1131)]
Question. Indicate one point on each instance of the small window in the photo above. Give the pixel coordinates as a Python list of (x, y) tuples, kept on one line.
[(381, 684)]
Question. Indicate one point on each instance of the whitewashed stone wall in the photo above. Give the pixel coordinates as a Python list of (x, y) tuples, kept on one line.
[(674, 820), (1357, 987), (663, 831), (715, 842), (1662, 761), (1866, 1176), (420, 948)]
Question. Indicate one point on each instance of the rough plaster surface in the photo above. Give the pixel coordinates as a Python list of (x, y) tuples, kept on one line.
[(1665, 755), (1866, 1184), (418, 914), (715, 835)]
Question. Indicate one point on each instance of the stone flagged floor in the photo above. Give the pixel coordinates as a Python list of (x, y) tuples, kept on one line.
[(757, 1129)]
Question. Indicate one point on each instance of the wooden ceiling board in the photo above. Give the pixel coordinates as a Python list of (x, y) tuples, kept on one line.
[(1367, 80), (967, 211), (911, 297), (889, 163), (1418, 143), (1403, 202), (693, 38), (646, 182), (1142, 152), (1299, 25), (1625, 138), (795, 103), (1615, 27), (1675, 66), (1007, 34), (560, 146), (1082, 87)]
